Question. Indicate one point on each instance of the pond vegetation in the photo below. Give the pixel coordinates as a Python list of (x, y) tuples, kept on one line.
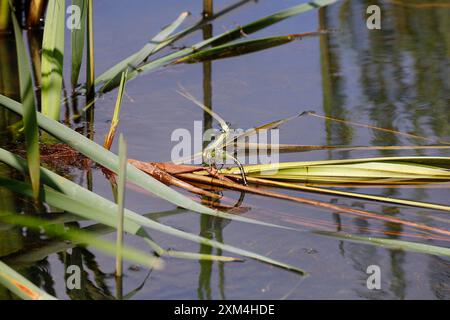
[(48, 133)]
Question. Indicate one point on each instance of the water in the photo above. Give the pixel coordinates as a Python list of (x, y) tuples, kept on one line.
[(394, 78)]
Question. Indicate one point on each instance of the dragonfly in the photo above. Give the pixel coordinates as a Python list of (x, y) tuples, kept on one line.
[(217, 149)]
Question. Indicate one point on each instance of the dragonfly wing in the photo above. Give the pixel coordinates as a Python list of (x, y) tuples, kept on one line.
[(188, 160), (190, 97), (267, 126)]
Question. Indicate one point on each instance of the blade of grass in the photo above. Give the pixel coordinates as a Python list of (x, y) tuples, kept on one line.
[(19, 285), (69, 204), (111, 76), (51, 247), (270, 20), (390, 243), (40, 252), (121, 181), (243, 47), (92, 206), (363, 172), (107, 79), (83, 238), (234, 34), (52, 58), (287, 185), (115, 120), (66, 203), (230, 35), (200, 256), (77, 42), (110, 161), (29, 108), (409, 167)]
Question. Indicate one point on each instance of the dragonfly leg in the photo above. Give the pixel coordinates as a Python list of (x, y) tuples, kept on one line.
[(241, 169)]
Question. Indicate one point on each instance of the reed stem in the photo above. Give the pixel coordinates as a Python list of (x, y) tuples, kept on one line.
[(35, 12), (90, 71), (207, 8), (207, 70), (120, 203), (4, 14)]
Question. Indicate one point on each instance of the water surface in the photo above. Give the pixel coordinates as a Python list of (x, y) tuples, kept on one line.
[(395, 78)]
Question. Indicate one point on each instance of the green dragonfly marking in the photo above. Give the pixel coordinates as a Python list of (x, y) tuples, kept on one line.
[(217, 148)]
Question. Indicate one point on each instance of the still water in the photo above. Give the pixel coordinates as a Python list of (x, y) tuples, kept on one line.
[(395, 78)]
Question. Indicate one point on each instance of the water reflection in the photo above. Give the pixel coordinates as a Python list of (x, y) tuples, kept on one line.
[(395, 78), (210, 227), (86, 262), (401, 71)]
